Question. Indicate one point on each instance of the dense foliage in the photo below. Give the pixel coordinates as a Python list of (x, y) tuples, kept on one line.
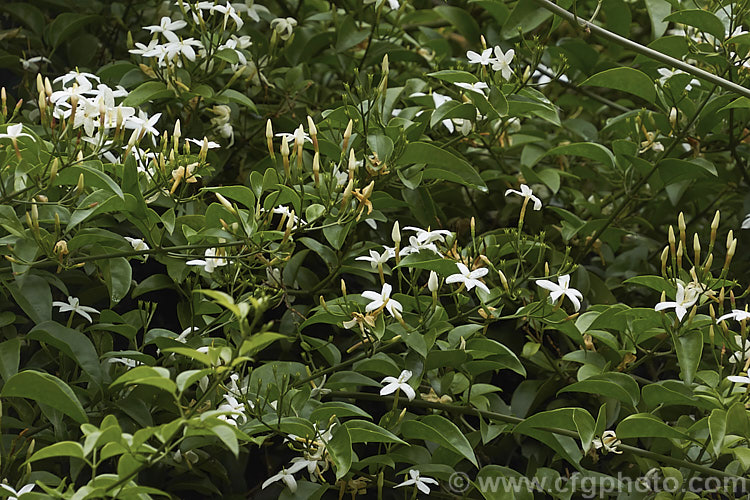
[(380, 249)]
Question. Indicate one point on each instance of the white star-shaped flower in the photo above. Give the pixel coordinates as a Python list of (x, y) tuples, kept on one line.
[(501, 62), (378, 259), (213, 260), (75, 306), (683, 300), (469, 278), (284, 476), (562, 288), (528, 194), (382, 299), (419, 481), (400, 383), (736, 314), (485, 58)]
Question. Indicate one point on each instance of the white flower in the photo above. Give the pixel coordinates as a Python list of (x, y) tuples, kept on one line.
[(166, 25), (212, 261), (415, 246), (651, 143), (739, 379), (130, 363), (472, 87), (608, 441), (143, 124), (228, 12), (562, 288), (15, 494), (382, 299), (469, 278), (75, 306), (485, 58), (740, 356), (394, 384), (82, 79), (182, 337), (286, 477), (420, 482), (428, 236), (683, 299), (235, 408), (528, 194), (251, 9), (501, 62), (284, 26), (138, 244), (31, 63), (736, 314), (209, 144), (13, 132), (378, 259)]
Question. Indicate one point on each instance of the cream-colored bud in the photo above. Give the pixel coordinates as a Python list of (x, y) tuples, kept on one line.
[(53, 170), (672, 239), (673, 117), (347, 135), (732, 248), (715, 222), (47, 87), (709, 262), (664, 257), (432, 282), (696, 248), (396, 233), (311, 126), (730, 238), (343, 287), (504, 281), (348, 192), (316, 168), (226, 203), (352, 164), (39, 84), (80, 185)]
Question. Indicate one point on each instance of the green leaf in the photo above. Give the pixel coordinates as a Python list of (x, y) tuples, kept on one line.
[(628, 80), (66, 25), (147, 91), (700, 19), (526, 16), (240, 194), (643, 425), (147, 375), (454, 76), (657, 11), (46, 389), (10, 357), (118, 276), (361, 431), (615, 385), (231, 95), (189, 377), (339, 448), (258, 342), (73, 343), (689, 347), (461, 20), (228, 437), (590, 150), (62, 449), (572, 419), (501, 483), (442, 431), (717, 427), (441, 164), (325, 411), (28, 14)]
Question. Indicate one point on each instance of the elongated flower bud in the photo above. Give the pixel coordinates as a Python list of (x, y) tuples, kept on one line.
[(269, 139), (396, 233), (347, 135), (53, 170), (681, 226), (730, 238), (313, 132), (432, 282), (352, 164), (664, 257), (316, 169), (696, 249), (226, 203)]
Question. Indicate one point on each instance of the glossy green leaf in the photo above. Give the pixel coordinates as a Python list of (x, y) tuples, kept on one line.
[(146, 92), (61, 449), (628, 80), (362, 431), (73, 343), (46, 389), (590, 150), (643, 425), (441, 431), (700, 19), (339, 448), (441, 164)]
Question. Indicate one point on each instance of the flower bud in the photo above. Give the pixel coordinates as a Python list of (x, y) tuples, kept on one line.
[(269, 138), (47, 87), (352, 164), (80, 186), (681, 226), (664, 256), (226, 203), (673, 117), (730, 237), (347, 135), (432, 282), (316, 168), (396, 233), (313, 132), (696, 249), (39, 84)]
